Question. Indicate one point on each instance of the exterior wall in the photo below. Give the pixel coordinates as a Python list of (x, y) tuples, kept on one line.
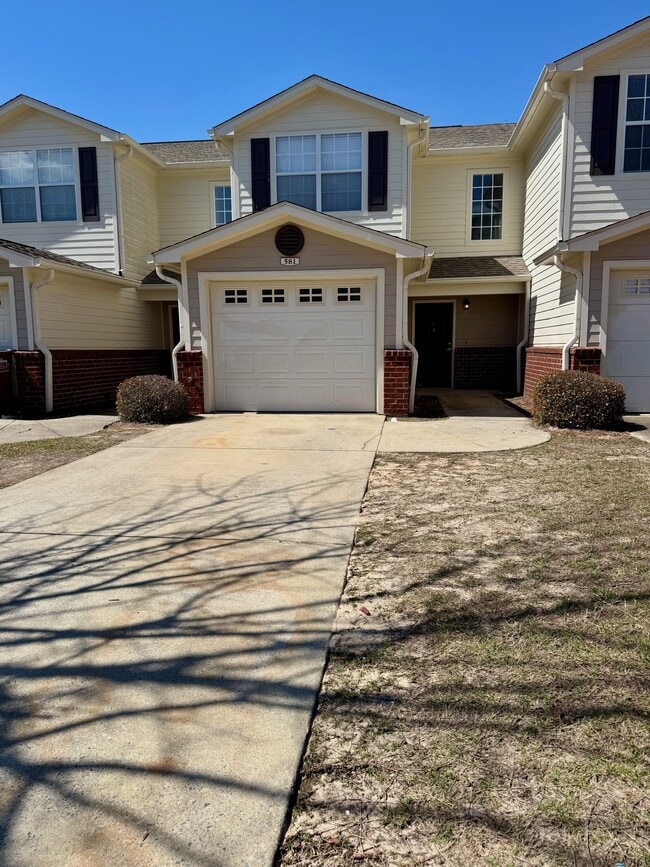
[(190, 374), (541, 360), (28, 375), (93, 243), (633, 247), (486, 367), (552, 308), (139, 214), (492, 320), (185, 202), (600, 200), (76, 313), (19, 294), (321, 252), (325, 112), (441, 190), (397, 370)]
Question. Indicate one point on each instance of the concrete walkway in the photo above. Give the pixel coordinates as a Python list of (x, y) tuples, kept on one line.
[(165, 609), (15, 430), (642, 419), (477, 422)]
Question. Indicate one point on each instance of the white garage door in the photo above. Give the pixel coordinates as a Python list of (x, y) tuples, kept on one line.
[(294, 346), (627, 353)]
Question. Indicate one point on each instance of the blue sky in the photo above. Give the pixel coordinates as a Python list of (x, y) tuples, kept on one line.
[(168, 70)]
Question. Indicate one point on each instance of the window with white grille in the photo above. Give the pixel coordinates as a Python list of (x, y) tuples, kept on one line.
[(637, 286), (235, 296), (347, 294), (273, 296), (310, 295)]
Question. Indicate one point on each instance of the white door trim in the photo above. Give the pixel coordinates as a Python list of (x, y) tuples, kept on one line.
[(609, 266), (207, 277), (9, 283)]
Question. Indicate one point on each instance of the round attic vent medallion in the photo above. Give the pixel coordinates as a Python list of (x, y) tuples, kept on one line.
[(289, 240)]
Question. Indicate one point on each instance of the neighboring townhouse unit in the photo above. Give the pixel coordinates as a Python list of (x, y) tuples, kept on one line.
[(327, 250)]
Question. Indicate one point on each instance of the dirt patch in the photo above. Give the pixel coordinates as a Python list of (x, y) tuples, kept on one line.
[(20, 461), (486, 700)]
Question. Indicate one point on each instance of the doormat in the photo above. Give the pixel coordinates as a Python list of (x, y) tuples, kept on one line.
[(428, 406)]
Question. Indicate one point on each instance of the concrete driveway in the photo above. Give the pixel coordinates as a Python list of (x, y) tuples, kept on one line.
[(165, 608)]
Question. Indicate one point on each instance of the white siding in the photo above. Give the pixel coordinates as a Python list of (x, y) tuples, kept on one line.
[(16, 275), (93, 243), (185, 206), (599, 201), (326, 112), (551, 313), (441, 204), (139, 211), (79, 313)]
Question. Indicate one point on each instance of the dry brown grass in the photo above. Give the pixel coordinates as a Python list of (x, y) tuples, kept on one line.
[(486, 700)]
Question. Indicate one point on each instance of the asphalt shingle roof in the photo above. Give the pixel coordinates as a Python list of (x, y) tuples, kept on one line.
[(152, 279), (478, 266), (484, 135), (37, 253), (201, 151)]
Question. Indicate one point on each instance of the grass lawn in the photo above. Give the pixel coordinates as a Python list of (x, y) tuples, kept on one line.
[(486, 700), (19, 461)]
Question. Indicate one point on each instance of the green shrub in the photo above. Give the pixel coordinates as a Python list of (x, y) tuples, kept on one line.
[(571, 398), (152, 400)]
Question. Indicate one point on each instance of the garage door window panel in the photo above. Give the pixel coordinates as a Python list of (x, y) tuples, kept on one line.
[(348, 294), (235, 296), (309, 295), (635, 287), (273, 296)]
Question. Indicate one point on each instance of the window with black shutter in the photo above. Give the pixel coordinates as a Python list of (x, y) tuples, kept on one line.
[(377, 171), (604, 123), (261, 173), (89, 184)]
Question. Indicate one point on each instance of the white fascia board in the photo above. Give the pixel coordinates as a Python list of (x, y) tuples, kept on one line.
[(20, 260), (104, 132), (575, 62), (533, 104), (246, 227), (488, 150), (296, 91), (592, 241), (513, 278)]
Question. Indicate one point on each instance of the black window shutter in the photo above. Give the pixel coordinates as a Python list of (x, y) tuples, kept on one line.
[(604, 123), (261, 170), (377, 171), (89, 185)]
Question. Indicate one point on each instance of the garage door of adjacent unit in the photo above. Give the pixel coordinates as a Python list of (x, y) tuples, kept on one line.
[(294, 345), (627, 354)]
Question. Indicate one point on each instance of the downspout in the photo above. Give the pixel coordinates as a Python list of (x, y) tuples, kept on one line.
[(564, 99), (566, 349), (405, 328), (118, 201), (524, 340), (38, 340), (424, 136), (181, 343)]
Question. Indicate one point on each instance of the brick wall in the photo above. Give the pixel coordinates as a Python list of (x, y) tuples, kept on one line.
[(6, 377), (28, 381), (190, 374), (547, 359), (485, 367), (85, 379), (397, 368)]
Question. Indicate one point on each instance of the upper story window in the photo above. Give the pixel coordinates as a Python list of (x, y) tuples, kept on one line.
[(637, 124), (222, 204), (322, 171), (487, 207), (38, 185)]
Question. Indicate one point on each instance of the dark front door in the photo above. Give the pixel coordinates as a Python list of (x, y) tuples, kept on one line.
[(434, 325)]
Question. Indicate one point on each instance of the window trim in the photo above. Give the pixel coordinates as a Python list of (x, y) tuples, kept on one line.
[(622, 123), (363, 210), (77, 186), (213, 201), (484, 242)]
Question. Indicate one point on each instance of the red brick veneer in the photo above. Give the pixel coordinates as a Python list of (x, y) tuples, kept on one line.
[(28, 383), (541, 360), (190, 374), (397, 369)]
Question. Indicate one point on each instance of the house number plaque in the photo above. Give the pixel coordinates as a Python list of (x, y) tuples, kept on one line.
[(290, 260)]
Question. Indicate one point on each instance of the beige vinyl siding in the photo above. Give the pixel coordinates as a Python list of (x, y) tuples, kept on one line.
[(441, 192), (93, 243), (633, 247), (601, 200), (551, 306), (139, 212), (321, 252), (16, 275), (80, 313), (185, 202), (324, 112), (492, 320)]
